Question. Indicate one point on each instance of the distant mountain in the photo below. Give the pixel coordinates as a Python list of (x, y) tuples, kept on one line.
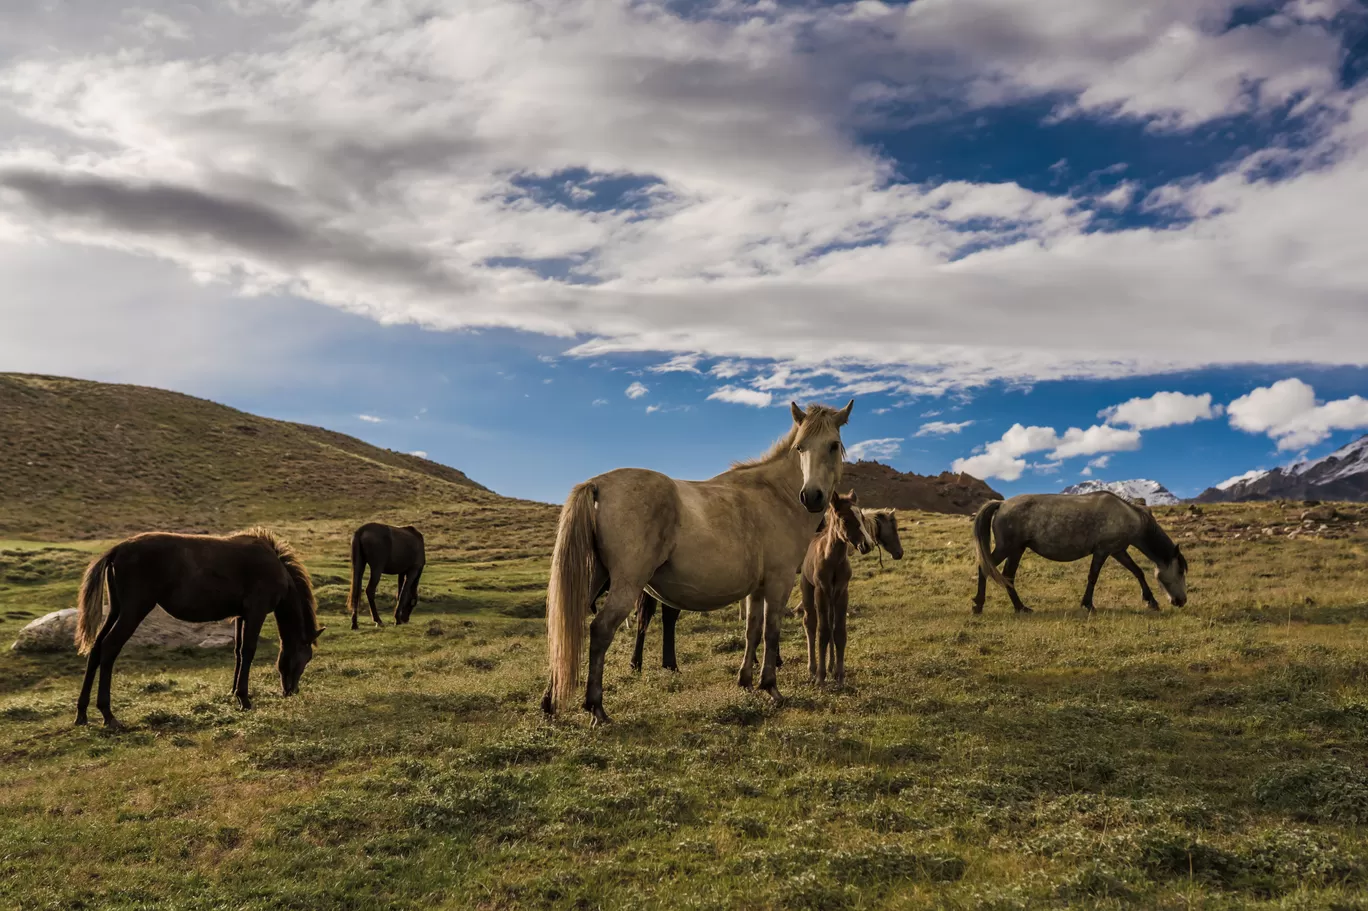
[(1342, 475), (1152, 492), (879, 486)]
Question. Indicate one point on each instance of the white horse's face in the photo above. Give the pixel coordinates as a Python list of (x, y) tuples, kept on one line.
[(820, 453)]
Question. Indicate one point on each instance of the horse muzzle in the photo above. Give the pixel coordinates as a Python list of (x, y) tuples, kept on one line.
[(812, 500)]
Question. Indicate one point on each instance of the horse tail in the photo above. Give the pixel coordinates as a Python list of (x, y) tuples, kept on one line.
[(358, 571), (983, 542), (573, 565), (91, 601)]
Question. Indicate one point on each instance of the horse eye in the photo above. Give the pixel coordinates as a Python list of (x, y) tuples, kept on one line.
[(835, 446)]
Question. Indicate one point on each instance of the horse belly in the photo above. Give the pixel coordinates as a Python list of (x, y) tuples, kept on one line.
[(703, 587), (1061, 553)]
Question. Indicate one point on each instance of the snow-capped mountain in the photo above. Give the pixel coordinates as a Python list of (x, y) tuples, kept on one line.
[(1152, 492), (1342, 475)]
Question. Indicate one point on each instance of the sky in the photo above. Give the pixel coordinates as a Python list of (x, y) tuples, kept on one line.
[(1035, 241)]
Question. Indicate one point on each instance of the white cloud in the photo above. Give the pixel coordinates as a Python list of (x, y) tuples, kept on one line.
[(680, 363), (419, 453), (1163, 409), (739, 396), (1098, 438), (726, 370), (1099, 462), (600, 402), (370, 419), (652, 409), (1288, 412), (409, 165), (885, 448), (1003, 458), (941, 428), (636, 390)]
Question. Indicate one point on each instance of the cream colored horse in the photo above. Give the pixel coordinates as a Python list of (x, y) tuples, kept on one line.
[(693, 545)]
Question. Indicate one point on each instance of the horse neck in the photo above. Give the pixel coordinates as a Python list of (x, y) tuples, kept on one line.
[(834, 539), (290, 621), (1155, 543)]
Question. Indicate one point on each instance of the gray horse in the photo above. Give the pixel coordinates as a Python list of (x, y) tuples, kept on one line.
[(1068, 527)]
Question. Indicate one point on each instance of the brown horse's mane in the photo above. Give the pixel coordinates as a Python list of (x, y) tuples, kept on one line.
[(818, 418), (289, 558)]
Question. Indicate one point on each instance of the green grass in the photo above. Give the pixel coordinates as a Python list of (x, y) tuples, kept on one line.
[(1210, 757)]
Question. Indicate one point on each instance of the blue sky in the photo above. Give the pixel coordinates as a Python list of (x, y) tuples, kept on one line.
[(480, 227)]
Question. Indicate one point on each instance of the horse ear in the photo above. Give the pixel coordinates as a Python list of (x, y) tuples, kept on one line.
[(797, 413), (852, 498), (318, 633), (844, 414)]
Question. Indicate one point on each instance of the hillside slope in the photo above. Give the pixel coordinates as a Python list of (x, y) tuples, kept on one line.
[(80, 459), (879, 485)]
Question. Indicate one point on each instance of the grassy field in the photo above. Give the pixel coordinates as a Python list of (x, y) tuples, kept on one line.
[(1209, 757)]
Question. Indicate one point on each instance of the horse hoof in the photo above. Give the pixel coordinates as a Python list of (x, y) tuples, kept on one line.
[(1024, 610), (114, 725), (355, 625), (670, 667), (600, 717), (773, 692), (977, 608), (81, 720), (635, 667), (548, 707), (1153, 605)]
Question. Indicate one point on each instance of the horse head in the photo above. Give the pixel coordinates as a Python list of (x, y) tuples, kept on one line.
[(817, 440), (1172, 575)]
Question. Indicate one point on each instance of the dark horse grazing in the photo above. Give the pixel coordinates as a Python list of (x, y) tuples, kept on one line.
[(825, 586), (1068, 527), (387, 550), (198, 579), (880, 525)]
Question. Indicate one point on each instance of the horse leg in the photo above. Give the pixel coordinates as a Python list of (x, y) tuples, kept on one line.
[(370, 592), (809, 608), (1124, 558), (1009, 572), (669, 616), (399, 599), (982, 596), (410, 598), (823, 610), (238, 627), (93, 665), (251, 632), (1093, 571), (597, 586), (776, 598), (130, 615), (839, 633), (616, 608), (646, 609), (754, 624)]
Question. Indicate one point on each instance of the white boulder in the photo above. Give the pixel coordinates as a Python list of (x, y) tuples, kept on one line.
[(56, 632)]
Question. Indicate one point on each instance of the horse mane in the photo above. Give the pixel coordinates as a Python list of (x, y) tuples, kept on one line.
[(1157, 541), (817, 418), (289, 558)]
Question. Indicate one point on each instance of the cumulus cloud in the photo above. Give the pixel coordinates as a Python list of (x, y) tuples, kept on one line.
[(370, 419), (1288, 412), (941, 428), (509, 165), (636, 390), (1163, 409), (1002, 458), (422, 454), (885, 448), (1099, 463), (740, 396)]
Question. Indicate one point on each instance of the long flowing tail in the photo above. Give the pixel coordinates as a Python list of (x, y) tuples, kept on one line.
[(358, 567), (91, 602), (983, 543), (568, 596)]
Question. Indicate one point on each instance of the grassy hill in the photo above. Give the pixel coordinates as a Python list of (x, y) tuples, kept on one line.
[(94, 460)]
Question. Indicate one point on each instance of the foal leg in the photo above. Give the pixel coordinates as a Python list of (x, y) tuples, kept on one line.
[(1124, 558), (1009, 572), (251, 632), (646, 609), (370, 592), (839, 633), (616, 608), (669, 616), (809, 608), (754, 624), (823, 610), (1097, 560)]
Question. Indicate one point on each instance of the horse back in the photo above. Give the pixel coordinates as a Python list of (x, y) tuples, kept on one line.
[(1069, 526), (199, 578)]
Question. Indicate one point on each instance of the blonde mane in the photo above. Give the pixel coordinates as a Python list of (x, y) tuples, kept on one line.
[(818, 418)]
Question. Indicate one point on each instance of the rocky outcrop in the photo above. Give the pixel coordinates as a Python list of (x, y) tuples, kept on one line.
[(879, 486), (56, 632)]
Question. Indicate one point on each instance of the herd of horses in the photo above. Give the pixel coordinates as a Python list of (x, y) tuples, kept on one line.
[(634, 539)]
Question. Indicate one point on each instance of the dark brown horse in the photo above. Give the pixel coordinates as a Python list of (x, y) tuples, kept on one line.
[(825, 587), (391, 551), (197, 579)]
